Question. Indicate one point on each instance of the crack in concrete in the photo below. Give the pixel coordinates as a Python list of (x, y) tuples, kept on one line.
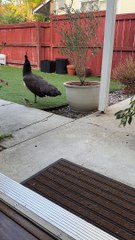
[(95, 124), (33, 123), (101, 127), (2, 148), (29, 139), (3, 105)]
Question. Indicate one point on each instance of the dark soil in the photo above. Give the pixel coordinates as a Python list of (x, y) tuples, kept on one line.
[(66, 111), (84, 84)]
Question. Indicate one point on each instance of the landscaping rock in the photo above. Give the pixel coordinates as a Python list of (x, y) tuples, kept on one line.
[(66, 111)]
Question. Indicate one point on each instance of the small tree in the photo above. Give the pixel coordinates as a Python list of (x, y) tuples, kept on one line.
[(125, 73), (78, 33)]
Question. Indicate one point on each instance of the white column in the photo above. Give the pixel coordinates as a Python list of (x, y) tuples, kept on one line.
[(119, 2), (107, 54)]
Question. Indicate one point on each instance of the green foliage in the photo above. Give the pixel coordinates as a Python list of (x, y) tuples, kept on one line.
[(125, 73), (126, 115), (3, 137), (18, 11), (78, 33), (115, 85)]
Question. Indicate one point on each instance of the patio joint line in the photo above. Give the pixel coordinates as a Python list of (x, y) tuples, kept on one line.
[(29, 139)]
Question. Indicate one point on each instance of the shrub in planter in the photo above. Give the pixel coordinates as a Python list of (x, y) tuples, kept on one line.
[(78, 37)]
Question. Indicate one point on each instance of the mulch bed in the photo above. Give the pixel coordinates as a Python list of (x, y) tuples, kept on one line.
[(66, 111), (101, 201)]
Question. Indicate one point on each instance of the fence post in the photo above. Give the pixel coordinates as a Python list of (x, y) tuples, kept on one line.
[(51, 38), (38, 32)]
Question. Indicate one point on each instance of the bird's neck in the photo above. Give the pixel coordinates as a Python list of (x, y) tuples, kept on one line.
[(25, 72), (26, 68)]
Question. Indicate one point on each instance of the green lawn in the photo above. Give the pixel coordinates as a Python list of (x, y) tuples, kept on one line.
[(17, 92)]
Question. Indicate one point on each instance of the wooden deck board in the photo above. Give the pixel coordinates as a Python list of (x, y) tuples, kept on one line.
[(14, 226)]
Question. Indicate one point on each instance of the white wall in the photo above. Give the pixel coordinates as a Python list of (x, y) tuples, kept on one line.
[(123, 6)]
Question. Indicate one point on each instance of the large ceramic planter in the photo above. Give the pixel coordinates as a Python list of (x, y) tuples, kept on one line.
[(82, 98)]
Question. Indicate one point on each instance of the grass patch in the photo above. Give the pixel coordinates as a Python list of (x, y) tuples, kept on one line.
[(3, 137), (17, 92)]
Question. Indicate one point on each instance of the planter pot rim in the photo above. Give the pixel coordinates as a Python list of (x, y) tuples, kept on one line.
[(74, 85), (70, 66)]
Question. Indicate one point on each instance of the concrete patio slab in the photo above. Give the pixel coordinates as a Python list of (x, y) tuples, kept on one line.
[(104, 119), (97, 143), (15, 117), (35, 129), (4, 103)]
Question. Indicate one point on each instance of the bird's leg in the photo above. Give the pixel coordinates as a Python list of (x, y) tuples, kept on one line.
[(35, 98)]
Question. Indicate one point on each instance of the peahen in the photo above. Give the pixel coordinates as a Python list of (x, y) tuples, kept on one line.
[(36, 84)]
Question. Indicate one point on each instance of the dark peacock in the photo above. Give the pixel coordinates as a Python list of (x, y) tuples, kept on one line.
[(36, 84)]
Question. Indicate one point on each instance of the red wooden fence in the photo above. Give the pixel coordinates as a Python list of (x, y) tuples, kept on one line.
[(41, 40), (20, 38)]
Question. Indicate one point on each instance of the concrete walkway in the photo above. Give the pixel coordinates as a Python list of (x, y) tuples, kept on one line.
[(41, 138)]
